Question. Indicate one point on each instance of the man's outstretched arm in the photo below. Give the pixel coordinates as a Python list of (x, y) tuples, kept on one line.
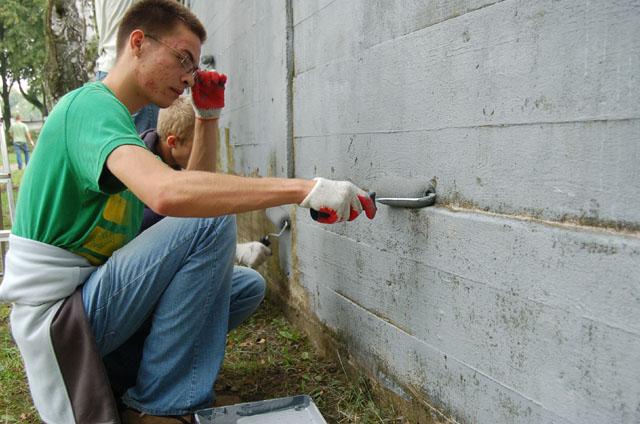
[(198, 193), (204, 194)]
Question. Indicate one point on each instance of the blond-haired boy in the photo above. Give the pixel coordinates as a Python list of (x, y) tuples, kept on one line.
[(173, 141)]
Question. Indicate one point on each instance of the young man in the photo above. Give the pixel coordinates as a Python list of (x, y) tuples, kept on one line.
[(76, 228), (172, 142), (20, 134)]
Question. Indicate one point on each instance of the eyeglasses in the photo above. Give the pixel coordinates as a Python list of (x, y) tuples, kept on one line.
[(185, 61)]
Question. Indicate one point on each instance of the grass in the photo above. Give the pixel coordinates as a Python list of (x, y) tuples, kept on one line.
[(15, 401), (266, 358)]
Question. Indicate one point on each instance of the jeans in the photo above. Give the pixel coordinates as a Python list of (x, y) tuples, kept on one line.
[(175, 283), (145, 118), (21, 148)]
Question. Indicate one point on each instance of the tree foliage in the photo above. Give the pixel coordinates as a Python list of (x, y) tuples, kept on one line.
[(22, 51)]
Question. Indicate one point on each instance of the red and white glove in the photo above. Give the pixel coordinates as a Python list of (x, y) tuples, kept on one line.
[(252, 254), (336, 201), (207, 94)]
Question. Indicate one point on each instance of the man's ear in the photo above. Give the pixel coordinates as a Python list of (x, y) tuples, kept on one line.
[(136, 38), (172, 140)]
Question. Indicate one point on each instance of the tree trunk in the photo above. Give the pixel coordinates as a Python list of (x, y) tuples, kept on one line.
[(6, 90), (66, 39)]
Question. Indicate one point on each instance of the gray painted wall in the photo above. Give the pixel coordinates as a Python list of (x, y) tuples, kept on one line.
[(517, 297)]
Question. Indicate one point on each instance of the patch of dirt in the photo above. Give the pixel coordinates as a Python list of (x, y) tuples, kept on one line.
[(266, 358)]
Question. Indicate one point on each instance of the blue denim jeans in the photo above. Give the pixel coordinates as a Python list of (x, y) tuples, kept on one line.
[(21, 149), (176, 283), (144, 119)]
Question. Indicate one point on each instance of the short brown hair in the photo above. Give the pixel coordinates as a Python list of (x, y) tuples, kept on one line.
[(177, 119), (157, 17)]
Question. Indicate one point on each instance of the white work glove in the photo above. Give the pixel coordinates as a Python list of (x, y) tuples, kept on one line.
[(252, 254), (336, 201)]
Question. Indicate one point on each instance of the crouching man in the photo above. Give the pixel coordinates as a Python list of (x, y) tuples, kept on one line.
[(82, 281)]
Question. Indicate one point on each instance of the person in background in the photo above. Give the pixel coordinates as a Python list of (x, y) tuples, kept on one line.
[(20, 135)]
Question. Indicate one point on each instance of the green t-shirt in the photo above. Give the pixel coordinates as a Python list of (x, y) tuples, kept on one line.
[(19, 132), (68, 198)]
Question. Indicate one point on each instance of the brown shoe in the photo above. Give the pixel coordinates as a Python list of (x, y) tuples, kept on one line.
[(131, 416)]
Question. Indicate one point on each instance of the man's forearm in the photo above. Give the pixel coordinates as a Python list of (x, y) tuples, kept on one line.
[(205, 194), (198, 193), (205, 146), (201, 194)]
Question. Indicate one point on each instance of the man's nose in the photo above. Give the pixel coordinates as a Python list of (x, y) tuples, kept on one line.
[(189, 79)]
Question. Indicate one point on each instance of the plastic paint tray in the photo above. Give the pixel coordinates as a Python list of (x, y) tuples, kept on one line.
[(290, 410)]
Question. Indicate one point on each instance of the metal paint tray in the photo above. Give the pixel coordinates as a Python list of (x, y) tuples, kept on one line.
[(290, 410)]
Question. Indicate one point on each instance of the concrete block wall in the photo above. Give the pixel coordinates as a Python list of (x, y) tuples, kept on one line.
[(516, 299), (248, 40)]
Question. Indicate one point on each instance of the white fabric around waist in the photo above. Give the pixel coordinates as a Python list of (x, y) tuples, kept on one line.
[(38, 276), (38, 273)]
